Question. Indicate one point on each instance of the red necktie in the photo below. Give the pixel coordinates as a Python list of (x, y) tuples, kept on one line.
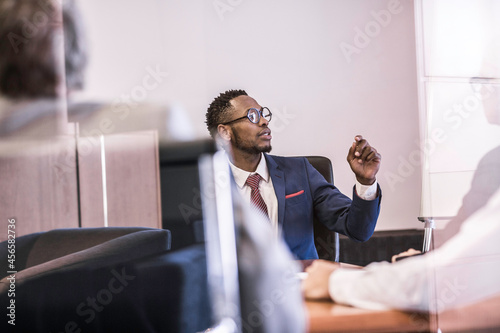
[(255, 197)]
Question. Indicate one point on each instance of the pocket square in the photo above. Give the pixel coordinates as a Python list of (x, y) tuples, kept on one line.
[(294, 194)]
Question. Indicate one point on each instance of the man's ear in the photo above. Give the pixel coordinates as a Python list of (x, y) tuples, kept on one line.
[(224, 132)]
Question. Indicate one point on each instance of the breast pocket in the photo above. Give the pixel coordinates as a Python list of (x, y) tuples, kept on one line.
[(295, 198)]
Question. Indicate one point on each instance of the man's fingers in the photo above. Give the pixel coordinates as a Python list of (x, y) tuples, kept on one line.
[(369, 153), (361, 151), (350, 154), (360, 147), (368, 156)]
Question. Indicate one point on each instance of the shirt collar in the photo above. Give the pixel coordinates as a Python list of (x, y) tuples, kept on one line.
[(240, 176)]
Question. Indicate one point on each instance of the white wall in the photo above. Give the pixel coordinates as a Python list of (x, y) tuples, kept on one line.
[(288, 55)]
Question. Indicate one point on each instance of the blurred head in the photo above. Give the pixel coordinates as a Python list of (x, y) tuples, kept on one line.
[(42, 48)]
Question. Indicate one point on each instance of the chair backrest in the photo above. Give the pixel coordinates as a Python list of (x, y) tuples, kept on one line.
[(180, 190), (326, 241), (323, 165)]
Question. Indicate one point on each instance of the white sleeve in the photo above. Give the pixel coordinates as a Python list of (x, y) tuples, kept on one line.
[(366, 192), (381, 286), (463, 271)]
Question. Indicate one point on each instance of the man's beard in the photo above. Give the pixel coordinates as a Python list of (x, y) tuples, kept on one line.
[(249, 149)]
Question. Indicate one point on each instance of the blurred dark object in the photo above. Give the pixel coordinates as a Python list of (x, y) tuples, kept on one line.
[(380, 247), (139, 288), (181, 197)]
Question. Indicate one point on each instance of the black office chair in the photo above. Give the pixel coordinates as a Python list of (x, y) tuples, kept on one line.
[(180, 190), (326, 241)]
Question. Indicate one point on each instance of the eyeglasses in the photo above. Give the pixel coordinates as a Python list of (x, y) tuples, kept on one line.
[(254, 115)]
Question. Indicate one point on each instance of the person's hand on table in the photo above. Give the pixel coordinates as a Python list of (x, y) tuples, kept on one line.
[(315, 285), (405, 254)]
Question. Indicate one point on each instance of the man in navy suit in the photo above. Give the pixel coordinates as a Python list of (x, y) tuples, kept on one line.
[(292, 190)]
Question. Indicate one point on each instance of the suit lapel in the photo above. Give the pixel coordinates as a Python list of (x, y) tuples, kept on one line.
[(278, 178)]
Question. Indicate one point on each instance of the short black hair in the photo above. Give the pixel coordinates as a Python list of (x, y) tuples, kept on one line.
[(219, 108)]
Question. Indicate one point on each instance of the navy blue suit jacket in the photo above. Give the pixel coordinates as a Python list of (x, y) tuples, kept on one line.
[(303, 193)]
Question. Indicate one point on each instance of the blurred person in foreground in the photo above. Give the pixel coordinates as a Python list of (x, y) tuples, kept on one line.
[(33, 82), (290, 192), (463, 271), (486, 178), (42, 67)]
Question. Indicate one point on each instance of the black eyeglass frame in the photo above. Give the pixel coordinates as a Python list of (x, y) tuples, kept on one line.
[(259, 114)]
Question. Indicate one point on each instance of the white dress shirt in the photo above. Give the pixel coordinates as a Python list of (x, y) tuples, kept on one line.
[(266, 188)]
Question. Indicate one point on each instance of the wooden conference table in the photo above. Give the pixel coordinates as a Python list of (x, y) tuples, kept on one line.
[(327, 316)]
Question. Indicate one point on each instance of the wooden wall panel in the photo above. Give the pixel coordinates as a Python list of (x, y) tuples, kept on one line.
[(38, 186), (132, 179)]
